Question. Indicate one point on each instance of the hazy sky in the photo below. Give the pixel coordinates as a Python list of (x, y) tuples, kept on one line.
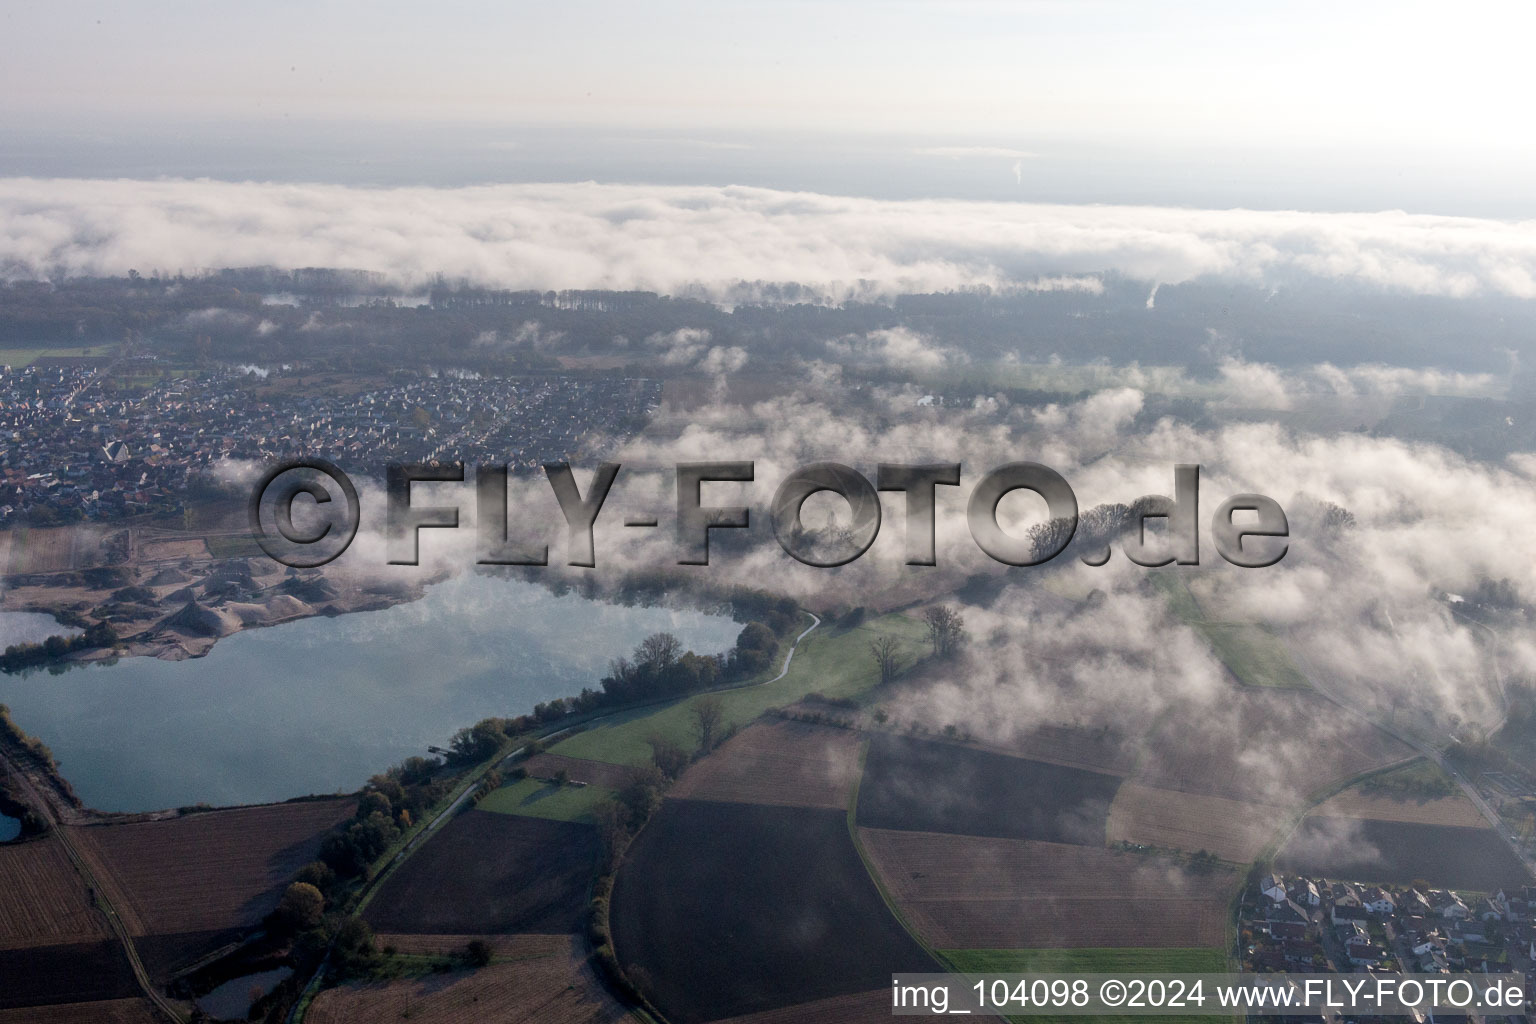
[(1439, 90)]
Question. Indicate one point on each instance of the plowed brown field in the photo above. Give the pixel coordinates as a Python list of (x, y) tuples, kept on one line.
[(784, 763), (553, 988), (965, 892), (45, 902), (210, 871), (1265, 746), (1100, 750), (105, 1011), (1231, 829), (1456, 811)]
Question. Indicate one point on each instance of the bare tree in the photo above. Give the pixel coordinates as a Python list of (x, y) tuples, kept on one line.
[(885, 651), (1049, 539), (667, 755), (946, 629), (659, 650), (707, 713)]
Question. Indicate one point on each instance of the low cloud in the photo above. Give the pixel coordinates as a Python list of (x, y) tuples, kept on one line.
[(715, 239), (896, 347)]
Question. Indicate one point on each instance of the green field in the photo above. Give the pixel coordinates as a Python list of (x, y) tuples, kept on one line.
[(831, 662), (1250, 651), (1254, 654), (537, 799), (1180, 600), (18, 357), (1090, 961)]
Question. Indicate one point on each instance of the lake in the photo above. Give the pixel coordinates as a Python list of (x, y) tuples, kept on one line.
[(30, 628), (232, 1000), (319, 705), (10, 828)]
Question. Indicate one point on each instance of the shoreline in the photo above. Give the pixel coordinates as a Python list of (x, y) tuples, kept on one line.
[(181, 612)]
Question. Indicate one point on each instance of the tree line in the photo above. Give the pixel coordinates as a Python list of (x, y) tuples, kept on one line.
[(56, 647)]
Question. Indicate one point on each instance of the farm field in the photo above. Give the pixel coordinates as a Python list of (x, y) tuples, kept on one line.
[(924, 786), (488, 873), (17, 357), (539, 799), (832, 662), (161, 550), (1253, 654), (1233, 830), (964, 892), (1089, 961), (550, 985), (1398, 852), (210, 871), (803, 921), (47, 549), (859, 1008), (1263, 745), (1419, 793), (235, 546), (106, 1011), (78, 972), (1456, 811), (791, 764), (45, 900), (1097, 750)]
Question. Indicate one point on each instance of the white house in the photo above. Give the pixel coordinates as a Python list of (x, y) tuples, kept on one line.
[(1453, 908), (1378, 901)]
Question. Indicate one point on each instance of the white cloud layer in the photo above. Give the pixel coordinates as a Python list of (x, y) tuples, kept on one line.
[(672, 238)]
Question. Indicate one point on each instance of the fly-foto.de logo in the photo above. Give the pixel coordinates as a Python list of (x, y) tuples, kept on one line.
[(305, 513)]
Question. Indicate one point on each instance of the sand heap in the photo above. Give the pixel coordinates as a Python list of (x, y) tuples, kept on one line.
[(195, 619)]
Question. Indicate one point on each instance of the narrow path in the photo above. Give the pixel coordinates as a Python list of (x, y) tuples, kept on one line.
[(791, 655)]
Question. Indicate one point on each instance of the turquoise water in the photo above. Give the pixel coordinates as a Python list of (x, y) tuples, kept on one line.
[(319, 705)]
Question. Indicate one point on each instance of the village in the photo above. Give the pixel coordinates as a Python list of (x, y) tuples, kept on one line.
[(80, 443), (1290, 923)]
